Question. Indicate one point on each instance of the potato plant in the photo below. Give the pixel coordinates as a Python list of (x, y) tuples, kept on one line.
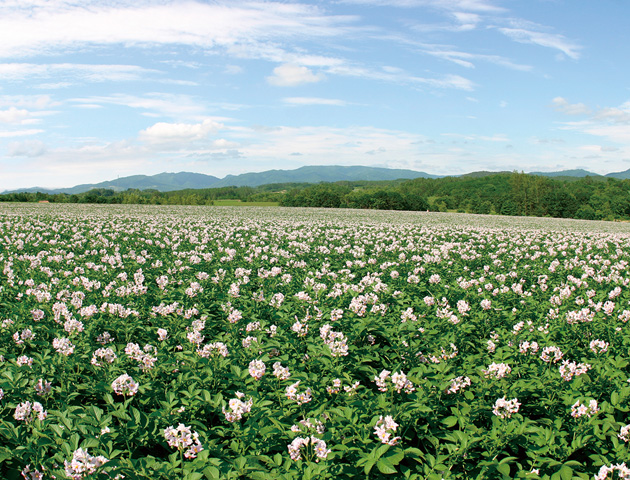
[(219, 342)]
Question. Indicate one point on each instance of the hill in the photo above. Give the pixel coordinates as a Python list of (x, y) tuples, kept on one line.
[(579, 173), (166, 182)]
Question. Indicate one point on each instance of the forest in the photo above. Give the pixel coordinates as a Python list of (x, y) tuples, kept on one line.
[(519, 194)]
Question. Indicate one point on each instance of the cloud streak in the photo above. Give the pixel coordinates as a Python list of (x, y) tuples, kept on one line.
[(86, 72), (314, 101), (33, 28), (549, 40)]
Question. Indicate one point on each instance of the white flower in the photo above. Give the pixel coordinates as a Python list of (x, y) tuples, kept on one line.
[(182, 437), (125, 385), (236, 408), (257, 369), (83, 464), (505, 408), (385, 428)]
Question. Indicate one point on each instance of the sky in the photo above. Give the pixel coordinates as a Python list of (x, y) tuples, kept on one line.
[(93, 90)]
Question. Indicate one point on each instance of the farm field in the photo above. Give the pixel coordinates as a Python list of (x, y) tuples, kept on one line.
[(239, 203), (160, 342)]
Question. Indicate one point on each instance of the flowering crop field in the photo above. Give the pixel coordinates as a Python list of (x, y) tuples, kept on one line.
[(218, 342)]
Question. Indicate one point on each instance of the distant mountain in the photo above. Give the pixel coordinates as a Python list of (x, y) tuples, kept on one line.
[(165, 182), (317, 174), (567, 173), (620, 175)]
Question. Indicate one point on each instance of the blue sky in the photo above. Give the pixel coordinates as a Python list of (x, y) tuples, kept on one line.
[(91, 90)]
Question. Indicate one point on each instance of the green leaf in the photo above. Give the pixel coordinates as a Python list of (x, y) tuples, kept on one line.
[(5, 456), (395, 457), (450, 421), (193, 476), (566, 473), (90, 443), (614, 398), (369, 463), (385, 466), (378, 452), (504, 469)]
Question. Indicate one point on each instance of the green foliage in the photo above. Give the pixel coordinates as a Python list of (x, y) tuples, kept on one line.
[(453, 320)]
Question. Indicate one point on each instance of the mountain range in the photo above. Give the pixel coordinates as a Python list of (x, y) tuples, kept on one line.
[(165, 182)]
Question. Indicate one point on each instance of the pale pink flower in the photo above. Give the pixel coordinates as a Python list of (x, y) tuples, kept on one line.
[(162, 334), (237, 407), (319, 447), (63, 346), (578, 409), (27, 412), (385, 428), (83, 464), (125, 385), (505, 408), (280, 372), (458, 384), (43, 387), (257, 369)]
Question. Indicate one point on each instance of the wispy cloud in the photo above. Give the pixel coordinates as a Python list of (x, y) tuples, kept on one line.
[(611, 123), (176, 106), (83, 72), (400, 76), (19, 133), (314, 101), (468, 60), (34, 28), (26, 148), (543, 39), (33, 102), (452, 5)]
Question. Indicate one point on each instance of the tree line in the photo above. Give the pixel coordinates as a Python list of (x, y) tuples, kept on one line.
[(520, 194)]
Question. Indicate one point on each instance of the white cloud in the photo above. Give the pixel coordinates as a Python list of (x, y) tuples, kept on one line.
[(328, 145), (14, 116), (542, 39), (35, 28), (37, 102), (179, 132), (619, 114), (615, 133), (467, 60), (314, 101), (84, 72), (291, 75), (153, 104), (452, 5), (562, 105), (27, 148), (19, 133), (223, 143), (233, 69), (612, 123), (447, 81)]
